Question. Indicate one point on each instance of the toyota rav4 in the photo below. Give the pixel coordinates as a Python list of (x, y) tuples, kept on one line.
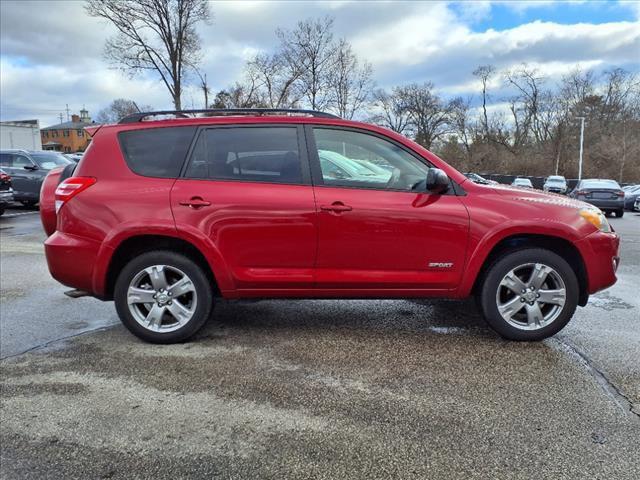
[(167, 211)]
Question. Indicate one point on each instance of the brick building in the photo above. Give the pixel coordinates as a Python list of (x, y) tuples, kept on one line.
[(67, 137)]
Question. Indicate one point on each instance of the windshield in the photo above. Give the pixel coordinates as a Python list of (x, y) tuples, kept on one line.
[(522, 181), (600, 184), (555, 180), (51, 160)]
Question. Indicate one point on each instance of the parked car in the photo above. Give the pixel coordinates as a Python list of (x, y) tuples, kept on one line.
[(522, 182), (28, 169), (336, 166), (555, 184), (630, 196), (74, 157), (474, 177), (6, 192), (636, 205), (163, 215), (602, 193)]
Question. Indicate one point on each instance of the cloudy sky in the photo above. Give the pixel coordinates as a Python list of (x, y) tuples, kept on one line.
[(51, 51)]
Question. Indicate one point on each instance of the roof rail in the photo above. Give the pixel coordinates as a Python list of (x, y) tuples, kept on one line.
[(221, 112)]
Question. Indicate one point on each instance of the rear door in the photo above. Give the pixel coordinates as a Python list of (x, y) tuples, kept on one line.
[(247, 188), (382, 231)]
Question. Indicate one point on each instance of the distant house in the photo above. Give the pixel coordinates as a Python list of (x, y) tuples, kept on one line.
[(23, 134), (68, 136)]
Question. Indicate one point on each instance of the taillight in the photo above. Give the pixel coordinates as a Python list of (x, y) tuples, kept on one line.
[(71, 187), (4, 177), (621, 193), (581, 192)]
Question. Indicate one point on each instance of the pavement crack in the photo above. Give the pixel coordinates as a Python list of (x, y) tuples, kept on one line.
[(56, 340), (610, 388)]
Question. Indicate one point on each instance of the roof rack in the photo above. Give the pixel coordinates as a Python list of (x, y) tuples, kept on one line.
[(221, 112)]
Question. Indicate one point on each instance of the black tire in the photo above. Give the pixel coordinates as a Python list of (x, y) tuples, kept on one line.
[(28, 203), (203, 289), (511, 260), (619, 213), (1, 211)]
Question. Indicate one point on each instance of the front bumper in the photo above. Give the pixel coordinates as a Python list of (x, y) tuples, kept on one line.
[(600, 252)]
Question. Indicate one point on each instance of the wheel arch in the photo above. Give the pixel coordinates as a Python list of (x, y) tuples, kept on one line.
[(561, 246), (135, 245)]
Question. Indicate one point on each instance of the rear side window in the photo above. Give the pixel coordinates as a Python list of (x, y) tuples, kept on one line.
[(251, 154), (156, 152)]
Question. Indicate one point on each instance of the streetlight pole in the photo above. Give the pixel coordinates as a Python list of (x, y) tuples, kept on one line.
[(581, 143)]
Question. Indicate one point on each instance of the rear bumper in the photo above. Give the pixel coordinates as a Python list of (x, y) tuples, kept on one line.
[(71, 259), (605, 204), (600, 252), (6, 196)]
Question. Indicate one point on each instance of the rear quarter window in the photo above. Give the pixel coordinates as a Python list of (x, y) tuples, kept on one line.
[(156, 152)]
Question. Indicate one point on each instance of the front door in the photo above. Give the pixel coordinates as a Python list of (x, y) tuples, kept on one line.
[(247, 188), (378, 227)]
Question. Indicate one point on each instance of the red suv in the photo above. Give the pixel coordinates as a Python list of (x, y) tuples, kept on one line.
[(164, 214)]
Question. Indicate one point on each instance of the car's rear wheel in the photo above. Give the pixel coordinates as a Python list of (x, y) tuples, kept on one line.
[(163, 297), (619, 213), (529, 294)]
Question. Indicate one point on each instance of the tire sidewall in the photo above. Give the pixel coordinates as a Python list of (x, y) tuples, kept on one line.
[(201, 283), (511, 260)]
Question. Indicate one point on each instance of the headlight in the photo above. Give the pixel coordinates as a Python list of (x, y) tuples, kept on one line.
[(595, 217)]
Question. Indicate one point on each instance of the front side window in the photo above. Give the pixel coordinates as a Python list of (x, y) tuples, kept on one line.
[(156, 152), (251, 154), (361, 160)]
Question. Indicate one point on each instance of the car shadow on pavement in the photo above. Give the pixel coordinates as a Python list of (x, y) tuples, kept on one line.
[(420, 315)]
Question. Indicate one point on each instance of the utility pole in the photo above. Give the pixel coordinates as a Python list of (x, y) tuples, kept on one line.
[(61, 117), (67, 112), (581, 144)]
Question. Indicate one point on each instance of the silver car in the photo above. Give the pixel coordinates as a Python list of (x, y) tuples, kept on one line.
[(555, 184)]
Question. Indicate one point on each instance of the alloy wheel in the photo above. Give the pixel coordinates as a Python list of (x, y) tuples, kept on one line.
[(162, 298), (531, 296)]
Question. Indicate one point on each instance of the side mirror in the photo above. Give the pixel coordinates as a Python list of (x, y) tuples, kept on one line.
[(437, 181)]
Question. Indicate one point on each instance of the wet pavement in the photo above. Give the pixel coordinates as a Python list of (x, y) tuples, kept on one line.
[(313, 389)]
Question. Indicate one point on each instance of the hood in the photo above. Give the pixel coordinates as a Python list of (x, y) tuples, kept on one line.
[(539, 197)]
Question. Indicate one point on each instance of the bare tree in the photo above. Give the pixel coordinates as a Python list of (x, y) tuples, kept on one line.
[(485, 73), (350, 83), (310, 50), (461, 123), (120, 108), (427, 113), (276, 78), (240, 95), (154, 35), (390, 110)]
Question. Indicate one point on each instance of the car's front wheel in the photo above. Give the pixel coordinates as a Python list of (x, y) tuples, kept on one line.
[(163, 297), (620, 213), (530, 294)]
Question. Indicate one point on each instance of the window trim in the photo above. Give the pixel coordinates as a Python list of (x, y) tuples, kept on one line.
[(316, 170), (303, 155)]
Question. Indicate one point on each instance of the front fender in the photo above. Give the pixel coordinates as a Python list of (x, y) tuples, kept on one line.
[(480, 251)]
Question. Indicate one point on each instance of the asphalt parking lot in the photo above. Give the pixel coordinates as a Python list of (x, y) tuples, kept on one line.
[(313, 389)]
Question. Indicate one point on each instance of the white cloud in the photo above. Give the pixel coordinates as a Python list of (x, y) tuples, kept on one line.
[(51, 52)]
